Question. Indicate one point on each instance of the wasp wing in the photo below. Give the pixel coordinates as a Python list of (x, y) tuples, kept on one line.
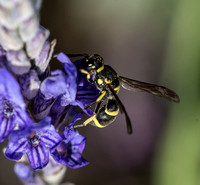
[(122, 110), (157, 90)]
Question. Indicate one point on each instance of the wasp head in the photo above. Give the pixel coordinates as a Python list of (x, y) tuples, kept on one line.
[(93, 62)]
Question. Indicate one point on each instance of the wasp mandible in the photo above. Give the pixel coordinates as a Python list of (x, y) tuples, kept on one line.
[(108, 82)]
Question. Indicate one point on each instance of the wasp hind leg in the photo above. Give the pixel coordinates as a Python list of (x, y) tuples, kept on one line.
[(103, 116), (106, 114)]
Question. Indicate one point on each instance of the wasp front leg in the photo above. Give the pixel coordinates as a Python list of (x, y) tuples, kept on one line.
[(99, 99)]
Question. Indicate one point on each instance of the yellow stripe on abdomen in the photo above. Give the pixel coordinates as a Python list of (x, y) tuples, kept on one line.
[(113, 113)]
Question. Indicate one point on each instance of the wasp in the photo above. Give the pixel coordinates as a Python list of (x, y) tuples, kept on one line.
[(108, 82)]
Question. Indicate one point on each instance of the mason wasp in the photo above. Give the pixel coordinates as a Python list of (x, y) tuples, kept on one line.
[(108, 82)]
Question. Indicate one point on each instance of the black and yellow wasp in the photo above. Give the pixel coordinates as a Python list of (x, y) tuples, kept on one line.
[(108, 82)]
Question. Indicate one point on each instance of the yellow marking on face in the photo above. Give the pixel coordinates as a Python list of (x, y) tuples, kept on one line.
[(100, 69), (85, 72), (99, 81), (107, 81), (93, 67), (113, 113), (101, 96), (88, 76), (116, 88), (86, 60)]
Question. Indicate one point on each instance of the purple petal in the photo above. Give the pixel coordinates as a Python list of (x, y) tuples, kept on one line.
[(71, 71), (88, 111), (76, 140), (77, 117), (87, 96), (27, 175), (23, 171), (42, 126), (76, 161), (30, 84), (41, 106), (56, 112), (6, 126), (50, 137), (38, 157), (10, 88), (72, 161), (65, 60), (55, 85), (81, 145), (21, 118), (17, 145)]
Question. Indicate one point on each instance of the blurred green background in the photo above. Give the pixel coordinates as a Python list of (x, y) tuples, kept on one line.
[(156, 41)]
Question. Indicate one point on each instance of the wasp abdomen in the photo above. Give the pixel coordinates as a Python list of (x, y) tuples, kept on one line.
[(106, 114)]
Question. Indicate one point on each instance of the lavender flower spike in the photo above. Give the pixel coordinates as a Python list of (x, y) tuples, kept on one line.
[(19, 23), (22, 37), (36, 141), (12, 106)]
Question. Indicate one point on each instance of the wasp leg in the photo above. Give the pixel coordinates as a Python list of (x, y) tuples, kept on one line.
[(85, 72), (98, 106), (86, 122), (105, 115), (103, 93)]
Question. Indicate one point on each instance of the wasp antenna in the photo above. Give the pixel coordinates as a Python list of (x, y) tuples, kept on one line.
[(128, 124)]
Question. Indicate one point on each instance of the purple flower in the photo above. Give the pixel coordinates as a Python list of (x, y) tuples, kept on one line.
[(68, 153), (36, 141), (69, 87), (30, 84), (86, 93), (12, 106)]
